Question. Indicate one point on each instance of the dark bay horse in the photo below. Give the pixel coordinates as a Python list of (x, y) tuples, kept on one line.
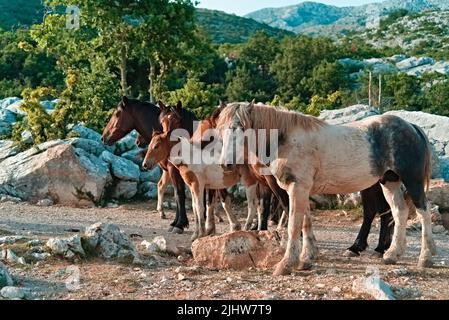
[(144, 118)]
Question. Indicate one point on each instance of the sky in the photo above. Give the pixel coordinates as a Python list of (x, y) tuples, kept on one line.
[(242, 7)]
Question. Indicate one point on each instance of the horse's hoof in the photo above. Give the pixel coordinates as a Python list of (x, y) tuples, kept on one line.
[(162, 215), (377, 254), (282, 269), (425, 263), (305, 265), (350, 254), (177, 230), (389, 260)]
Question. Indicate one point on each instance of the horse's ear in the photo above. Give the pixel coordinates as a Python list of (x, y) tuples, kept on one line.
[(125, 101), (161, 105), (179, 106), (251, 105), (222, 103)]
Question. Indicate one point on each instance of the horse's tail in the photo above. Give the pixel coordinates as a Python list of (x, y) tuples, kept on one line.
[(428, 156)]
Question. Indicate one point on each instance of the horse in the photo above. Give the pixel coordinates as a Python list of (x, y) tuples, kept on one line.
[(143, 117), (315, 157), (200, 177)]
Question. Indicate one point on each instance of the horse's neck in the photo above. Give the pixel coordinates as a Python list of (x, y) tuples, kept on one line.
[(146, 121)]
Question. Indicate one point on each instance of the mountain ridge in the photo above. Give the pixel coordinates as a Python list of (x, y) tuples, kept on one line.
[(316, 18)]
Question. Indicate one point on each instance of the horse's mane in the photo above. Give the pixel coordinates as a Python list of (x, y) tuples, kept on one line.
[(269, 117)]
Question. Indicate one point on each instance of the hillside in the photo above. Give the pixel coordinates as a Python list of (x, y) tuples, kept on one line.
[(316, 18), (228, 28), (20, 12), (220, 26), (416, 34)]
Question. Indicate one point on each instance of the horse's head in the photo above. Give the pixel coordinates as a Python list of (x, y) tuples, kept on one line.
[(120, 124), (158, 150), (232, 124), (170, 116), (141, 142)]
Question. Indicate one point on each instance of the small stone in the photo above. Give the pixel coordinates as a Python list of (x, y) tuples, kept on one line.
[(112, 205), (45, 203), (320, 285), (400, 272), (40, 256), (181, 277), (336, 289), (216, 293), (11, 239), (13, 293), (228, 280)]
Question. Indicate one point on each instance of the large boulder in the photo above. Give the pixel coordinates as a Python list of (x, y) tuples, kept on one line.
[(52, 171), (15, 107), (124, 190), (121, 168), (239, 250), (7, 116), (5, 277), (349, 114), (86, 133), (91, 146), (152, 175), (439, 193), (135, 155), (4, 103), (414, 62), (7, 149), (127, 143)]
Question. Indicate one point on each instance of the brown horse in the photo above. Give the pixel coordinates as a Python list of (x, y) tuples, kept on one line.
[(315, 157), (144, 118)]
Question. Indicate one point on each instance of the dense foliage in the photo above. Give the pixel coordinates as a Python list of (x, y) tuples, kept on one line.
[(139, 49)]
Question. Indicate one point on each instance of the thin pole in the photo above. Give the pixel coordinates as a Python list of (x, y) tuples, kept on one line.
[(369, 89), (380, 91)]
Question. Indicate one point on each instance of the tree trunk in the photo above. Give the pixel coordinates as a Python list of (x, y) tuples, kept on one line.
[(152, 78), (123, 69)]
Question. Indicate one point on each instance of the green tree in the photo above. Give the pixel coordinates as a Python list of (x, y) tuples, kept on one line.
[(328, 77), (253, 78), (294, 65), (438, 99)]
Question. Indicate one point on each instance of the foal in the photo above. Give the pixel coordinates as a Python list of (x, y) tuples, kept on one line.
[(200, 177)]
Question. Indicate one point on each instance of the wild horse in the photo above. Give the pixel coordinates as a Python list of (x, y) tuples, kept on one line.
[(315, 157), (144, 118)]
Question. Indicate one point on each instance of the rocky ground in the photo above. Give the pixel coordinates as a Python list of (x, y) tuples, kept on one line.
[(177, 277)]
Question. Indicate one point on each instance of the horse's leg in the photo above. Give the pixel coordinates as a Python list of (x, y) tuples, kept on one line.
[(251, 198), (161, 187), (283, 221), (198, 190), (234, 224), (386, 229), (418, 196), (263, 210), (181, 220), (395, 198), (210, 208), (309, 247), (298, 206), (361, 243)]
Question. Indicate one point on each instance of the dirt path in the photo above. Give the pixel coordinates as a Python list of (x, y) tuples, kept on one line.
[(331, 277)]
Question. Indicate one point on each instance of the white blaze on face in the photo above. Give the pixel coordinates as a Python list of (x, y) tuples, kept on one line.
[(227, 154)]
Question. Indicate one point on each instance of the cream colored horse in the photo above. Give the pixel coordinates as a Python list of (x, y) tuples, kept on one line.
[(316, 158)]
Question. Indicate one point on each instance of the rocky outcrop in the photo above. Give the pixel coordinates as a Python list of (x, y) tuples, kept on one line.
[(5, 277), (239, 250), (53, 171), (349, 114)]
